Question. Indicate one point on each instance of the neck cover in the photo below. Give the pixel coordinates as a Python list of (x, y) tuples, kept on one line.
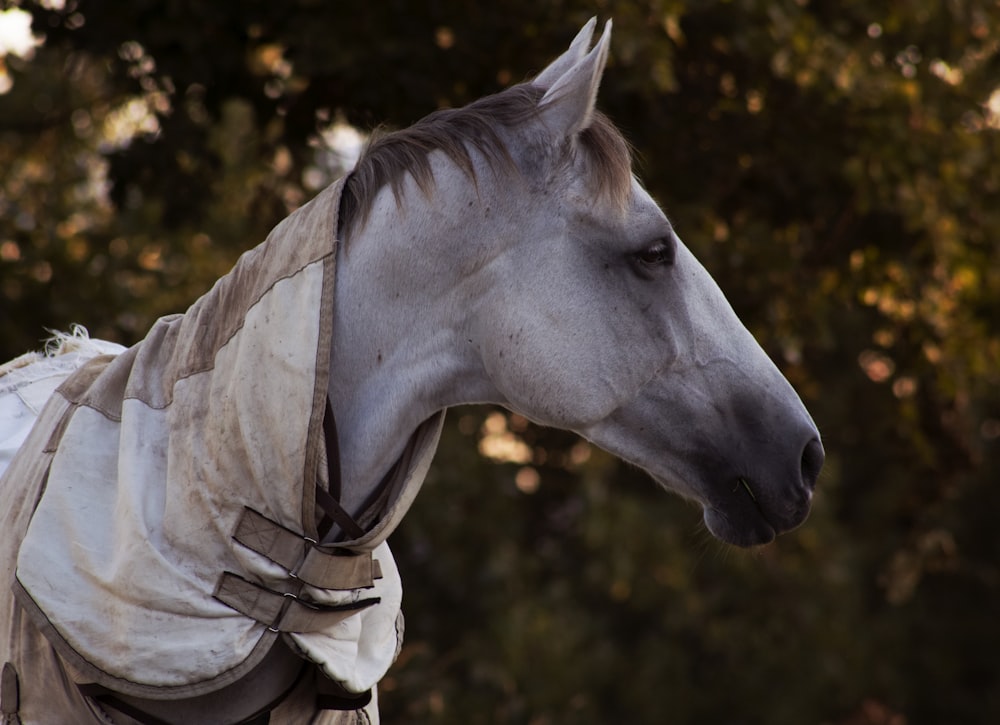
[(156, 456)]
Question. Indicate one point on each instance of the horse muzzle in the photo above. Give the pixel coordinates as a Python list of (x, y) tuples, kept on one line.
[(748, 510)]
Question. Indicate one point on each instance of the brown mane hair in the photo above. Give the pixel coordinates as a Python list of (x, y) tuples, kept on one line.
[(388, 157)]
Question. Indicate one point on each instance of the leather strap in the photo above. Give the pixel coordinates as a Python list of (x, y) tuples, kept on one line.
[(328, 500), (334, 513), (283, 611), (10, 696), (331, 696), (108, 699), (326, 567)]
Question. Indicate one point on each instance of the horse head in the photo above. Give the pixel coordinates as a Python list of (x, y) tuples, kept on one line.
[(538, 274)]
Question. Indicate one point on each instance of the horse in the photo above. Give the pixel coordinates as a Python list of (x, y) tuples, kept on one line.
[(194, 527)]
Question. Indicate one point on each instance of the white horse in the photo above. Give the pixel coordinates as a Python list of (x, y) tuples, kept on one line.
[(191, 538)]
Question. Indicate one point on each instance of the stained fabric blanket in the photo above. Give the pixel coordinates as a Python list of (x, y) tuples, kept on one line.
[(27, 383), (155, 457)]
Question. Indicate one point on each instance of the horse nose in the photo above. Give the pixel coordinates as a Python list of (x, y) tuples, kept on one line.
[(812, 462)]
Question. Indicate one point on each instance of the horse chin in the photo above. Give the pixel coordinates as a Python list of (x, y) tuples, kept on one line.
[(743, 531)]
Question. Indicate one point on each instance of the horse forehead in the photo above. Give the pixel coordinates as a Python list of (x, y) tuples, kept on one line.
[(642, 205), (639, 215)]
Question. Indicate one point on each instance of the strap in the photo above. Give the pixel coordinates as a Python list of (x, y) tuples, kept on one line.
[(339, 569), (325, 567), (283, 611), (328, 501), (109, 699), (379, 499), (336, 514), (10, 696), (331, 696)]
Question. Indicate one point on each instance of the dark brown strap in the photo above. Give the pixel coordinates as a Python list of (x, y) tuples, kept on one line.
[(10, 695), (331, 696), (283, 611), (328, 500), (108, 699), (334, 513)]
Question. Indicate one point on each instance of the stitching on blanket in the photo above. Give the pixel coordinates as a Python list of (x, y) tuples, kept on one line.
[(211, 365)]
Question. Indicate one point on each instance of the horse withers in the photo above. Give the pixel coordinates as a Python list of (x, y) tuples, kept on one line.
[(197, 524)]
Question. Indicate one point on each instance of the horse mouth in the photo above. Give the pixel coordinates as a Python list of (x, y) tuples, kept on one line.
[(744, 520), (739, 531)]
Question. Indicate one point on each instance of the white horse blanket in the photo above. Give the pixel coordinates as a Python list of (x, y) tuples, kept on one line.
[(142, 466)]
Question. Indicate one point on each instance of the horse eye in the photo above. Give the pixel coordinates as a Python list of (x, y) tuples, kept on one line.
[(660, 254)]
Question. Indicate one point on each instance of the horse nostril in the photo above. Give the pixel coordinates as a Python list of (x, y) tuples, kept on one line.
[(812, 462)]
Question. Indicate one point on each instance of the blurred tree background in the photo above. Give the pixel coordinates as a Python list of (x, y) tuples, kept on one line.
[(836, 167)]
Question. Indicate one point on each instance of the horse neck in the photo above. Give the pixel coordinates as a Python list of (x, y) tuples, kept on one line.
[(406, 290)]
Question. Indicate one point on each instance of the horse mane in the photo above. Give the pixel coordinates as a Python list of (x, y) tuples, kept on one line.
[(389, 156)]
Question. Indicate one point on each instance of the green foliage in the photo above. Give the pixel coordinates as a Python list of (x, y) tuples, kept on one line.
[(835, 165)]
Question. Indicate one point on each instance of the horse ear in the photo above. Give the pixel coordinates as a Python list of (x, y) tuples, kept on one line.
[(568, 105), (577, 49)]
